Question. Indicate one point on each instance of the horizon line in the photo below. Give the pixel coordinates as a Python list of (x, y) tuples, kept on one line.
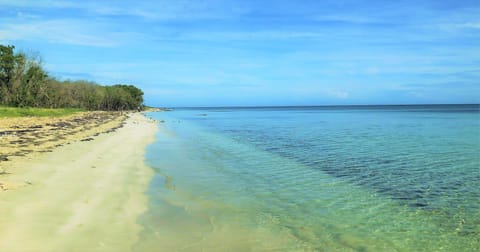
[(342, 105)]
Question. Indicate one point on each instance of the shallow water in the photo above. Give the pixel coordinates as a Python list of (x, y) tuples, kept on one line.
[(376, 178)]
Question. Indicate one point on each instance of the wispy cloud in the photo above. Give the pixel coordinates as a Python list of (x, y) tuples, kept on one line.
[(468, 25), (350, 19), (39, 3), (151, 10), (252, 35), (339, 94), (55, 31), (66, 31), (165, 10)]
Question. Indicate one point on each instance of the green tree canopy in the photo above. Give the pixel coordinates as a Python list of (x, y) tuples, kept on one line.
[(24, 83)]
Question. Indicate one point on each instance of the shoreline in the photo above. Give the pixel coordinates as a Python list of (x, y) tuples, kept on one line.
[(82, 196)]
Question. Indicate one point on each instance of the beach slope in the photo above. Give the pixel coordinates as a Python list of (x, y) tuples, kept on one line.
[(85, 196)]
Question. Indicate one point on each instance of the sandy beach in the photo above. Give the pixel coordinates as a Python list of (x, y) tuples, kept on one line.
[(81, 195), (20, 136)]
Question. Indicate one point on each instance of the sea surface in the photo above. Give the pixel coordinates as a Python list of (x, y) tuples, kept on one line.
[(334, 178)]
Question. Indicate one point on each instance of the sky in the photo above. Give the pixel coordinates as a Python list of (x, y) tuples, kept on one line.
[(259, 52)]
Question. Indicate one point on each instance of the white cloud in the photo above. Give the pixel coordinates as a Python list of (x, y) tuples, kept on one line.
[(38, 3), (339, 94), (472, 25), (454, 27), (158, 10), (353, 19), (66, 31), (149, 10), (255, 35), (186, 10)]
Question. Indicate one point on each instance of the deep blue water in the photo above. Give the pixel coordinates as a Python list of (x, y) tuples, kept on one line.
[(341, 178)]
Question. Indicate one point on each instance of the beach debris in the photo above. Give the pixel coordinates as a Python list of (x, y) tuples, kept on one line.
[(6, 186), (20, 136), (168, 183), (60, 124)]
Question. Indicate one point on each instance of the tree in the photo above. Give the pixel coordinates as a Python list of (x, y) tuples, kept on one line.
[(17, 78), (24, 83), (7, 64), (135, 95), (33, 91)]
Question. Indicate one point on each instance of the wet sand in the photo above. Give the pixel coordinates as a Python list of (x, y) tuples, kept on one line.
[(81, 196)]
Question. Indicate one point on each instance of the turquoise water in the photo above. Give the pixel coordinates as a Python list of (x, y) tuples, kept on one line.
[(370, 178)]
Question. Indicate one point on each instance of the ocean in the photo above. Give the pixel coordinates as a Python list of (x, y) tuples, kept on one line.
[(328, 178)]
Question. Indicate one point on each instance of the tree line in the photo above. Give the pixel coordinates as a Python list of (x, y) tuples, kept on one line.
[(24, 83)]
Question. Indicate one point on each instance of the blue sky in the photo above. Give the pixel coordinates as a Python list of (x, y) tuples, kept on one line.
[(230, 53)]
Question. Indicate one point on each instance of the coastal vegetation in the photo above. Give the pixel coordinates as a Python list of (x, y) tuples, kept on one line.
[(25, 83), (29, 111)]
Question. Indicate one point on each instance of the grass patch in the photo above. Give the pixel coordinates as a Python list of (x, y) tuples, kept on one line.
[(22, 112)]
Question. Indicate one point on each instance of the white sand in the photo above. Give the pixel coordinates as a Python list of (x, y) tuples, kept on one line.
[(85, 196)]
